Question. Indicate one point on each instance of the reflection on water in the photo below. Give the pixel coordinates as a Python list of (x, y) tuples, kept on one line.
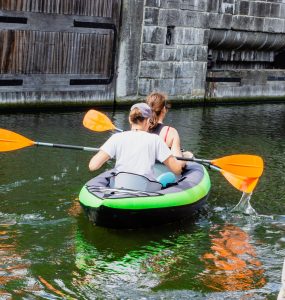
[(134, 260), (16, 279), (13, 267), (232, 263), (229, 264), (281, 295)]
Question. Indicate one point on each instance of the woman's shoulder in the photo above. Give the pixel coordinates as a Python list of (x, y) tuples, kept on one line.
[(169, 129)]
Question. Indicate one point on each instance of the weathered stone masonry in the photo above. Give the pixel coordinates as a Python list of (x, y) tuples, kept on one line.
[(212, 49), (93, 52)]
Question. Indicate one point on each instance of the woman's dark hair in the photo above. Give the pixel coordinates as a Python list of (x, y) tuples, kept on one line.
[(156, 101), (136, 116)]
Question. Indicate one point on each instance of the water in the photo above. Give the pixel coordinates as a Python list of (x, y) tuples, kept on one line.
[(49, 250), (244, 206)]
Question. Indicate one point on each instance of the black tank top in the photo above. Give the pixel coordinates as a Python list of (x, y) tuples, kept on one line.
[(157, 129)]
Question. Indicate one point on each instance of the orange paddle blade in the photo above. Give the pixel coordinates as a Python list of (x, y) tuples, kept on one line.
[(97, 121), (243, 184), (241, 164), (10, 141)]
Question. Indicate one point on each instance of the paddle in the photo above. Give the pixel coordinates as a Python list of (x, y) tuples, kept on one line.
[(10, 141), (239, 164), (98, 121)]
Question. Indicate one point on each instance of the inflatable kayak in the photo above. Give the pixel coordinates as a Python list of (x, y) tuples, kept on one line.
[(110, 199)]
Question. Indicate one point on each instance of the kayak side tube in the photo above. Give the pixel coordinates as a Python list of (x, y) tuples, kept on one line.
[(194, 186)]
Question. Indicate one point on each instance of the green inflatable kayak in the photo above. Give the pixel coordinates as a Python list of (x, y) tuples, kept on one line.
[(149, 203)]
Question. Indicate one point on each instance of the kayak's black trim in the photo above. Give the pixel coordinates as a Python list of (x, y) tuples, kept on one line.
[(127, 218)]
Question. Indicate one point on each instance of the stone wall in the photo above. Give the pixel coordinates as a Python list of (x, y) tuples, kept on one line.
[(246, 38), (97, 52), (206, 49)]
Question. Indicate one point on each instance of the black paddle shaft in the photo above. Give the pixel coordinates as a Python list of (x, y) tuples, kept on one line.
[(73, 147)]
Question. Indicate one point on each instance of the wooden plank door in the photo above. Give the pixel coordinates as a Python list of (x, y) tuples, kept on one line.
[(58, 50)]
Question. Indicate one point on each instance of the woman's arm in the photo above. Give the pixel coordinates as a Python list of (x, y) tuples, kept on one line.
[(98, 160), (175, 145)]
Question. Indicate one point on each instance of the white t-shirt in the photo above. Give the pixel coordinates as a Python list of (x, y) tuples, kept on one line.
[(136, 151)]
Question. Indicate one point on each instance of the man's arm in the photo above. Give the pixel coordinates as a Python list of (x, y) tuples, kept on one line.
[(174, 165), (98, 160)]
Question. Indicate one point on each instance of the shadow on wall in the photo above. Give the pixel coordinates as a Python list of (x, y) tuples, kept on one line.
[(279, 60)]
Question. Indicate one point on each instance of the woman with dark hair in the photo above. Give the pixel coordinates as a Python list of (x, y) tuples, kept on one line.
[(158, 103), (136, 150)]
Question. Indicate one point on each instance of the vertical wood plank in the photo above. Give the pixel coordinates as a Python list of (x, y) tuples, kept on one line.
[(99, 8)]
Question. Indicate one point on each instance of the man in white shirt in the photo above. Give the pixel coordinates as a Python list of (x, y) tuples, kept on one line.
[(137, 150)]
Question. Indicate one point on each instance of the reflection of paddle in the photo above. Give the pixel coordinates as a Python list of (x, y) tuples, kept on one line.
[(231, 263), (241, 170)]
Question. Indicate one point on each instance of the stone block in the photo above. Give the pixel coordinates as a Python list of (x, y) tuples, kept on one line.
[(199, 76), (194, 19), (185, 69), (168, 54), (227, 7), (151, 16), (282, 11), (179, 53), (178, 35), (165, 85), (150, 69), (258, 24), (170, 4), (243, 8), (193, 36), (259, 9), (273, 25), (202, 53), (172, 17), (275, 10), (172, 54), (195, 5), (213, 6), (154, 34), (220, 21), (244, 23), (167, 70), (151, 52), (189, 53), (145, 86), (183, 86), (152, 3), (206, 37)]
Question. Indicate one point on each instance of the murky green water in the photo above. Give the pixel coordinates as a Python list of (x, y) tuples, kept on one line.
[(49, 250)]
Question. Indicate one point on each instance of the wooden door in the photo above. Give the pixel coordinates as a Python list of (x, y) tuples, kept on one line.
[(58, 50)]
